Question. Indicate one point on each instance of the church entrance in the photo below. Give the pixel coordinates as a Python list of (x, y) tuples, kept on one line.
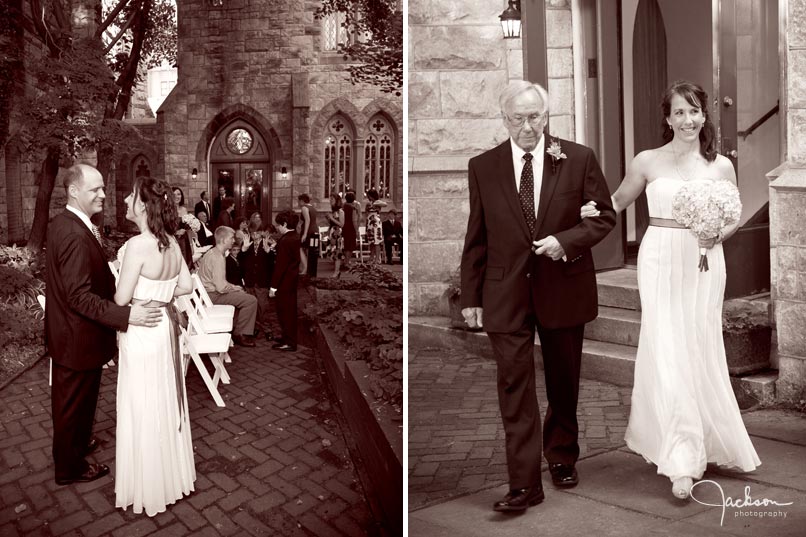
[(240, 162), (633, 49)]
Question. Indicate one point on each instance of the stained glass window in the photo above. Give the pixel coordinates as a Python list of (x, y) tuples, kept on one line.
[(338, 157), (379, 157), (239, 141)]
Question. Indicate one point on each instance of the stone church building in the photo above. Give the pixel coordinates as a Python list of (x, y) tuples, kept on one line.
[(264, 106)]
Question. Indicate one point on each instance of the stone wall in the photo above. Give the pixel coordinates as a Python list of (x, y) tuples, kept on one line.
[(458, 65), (242, 61), (787, 215)]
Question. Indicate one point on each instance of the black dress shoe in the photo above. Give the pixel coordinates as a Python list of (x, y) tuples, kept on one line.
[(93, 445), (244, 340), (93, 472), (284, 347), (520, 500), (563, 475)]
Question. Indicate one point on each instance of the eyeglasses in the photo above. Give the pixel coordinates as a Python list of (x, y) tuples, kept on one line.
[(533, 119)]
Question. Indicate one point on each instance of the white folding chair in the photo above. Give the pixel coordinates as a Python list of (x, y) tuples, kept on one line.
[(363, 245), (213, 310), (193, 346), (209, 323)]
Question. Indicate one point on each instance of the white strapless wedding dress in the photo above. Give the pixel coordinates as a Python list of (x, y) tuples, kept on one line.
[(684, 413), (154, 456)]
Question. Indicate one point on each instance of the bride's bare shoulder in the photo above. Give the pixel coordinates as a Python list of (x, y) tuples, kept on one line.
[(725, 168)]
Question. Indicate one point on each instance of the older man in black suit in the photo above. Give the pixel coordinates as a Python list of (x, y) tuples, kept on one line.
[(80, 323), (527, 265), (202, 205)]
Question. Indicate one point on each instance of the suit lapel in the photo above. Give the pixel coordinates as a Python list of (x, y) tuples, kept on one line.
[(548, 185), (78, 220), (508, 186)]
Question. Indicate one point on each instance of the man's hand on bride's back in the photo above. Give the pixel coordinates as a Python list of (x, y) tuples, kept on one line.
[(588, 210), (141, 316)]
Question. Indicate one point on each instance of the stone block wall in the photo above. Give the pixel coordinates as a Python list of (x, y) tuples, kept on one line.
[(787, 217), (458, 65)]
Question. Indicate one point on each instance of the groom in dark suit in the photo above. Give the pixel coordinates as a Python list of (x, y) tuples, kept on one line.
[(527, 265), (80, 323)]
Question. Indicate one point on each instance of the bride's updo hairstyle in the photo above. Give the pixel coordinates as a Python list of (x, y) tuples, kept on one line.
[(161, 215), (695, 96)]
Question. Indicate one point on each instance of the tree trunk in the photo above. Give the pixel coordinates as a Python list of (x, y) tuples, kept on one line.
[(16, 228), (47, 178), (12, 43)]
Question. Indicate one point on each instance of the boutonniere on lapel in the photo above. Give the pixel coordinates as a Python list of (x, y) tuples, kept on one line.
[(555, 151)]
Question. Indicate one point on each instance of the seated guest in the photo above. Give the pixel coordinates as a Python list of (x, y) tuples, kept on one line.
[(285, 278), (392, 234), (204, 235), (234, 267), (212, 271)]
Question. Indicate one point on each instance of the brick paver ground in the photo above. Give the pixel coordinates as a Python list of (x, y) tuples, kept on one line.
[(456, 438), (274, 461)]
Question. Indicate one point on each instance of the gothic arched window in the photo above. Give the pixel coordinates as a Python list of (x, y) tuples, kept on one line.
[(338, 156), (334, 33), (379, 157)]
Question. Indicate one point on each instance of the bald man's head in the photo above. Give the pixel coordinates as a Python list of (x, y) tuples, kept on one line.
[(84, 186)]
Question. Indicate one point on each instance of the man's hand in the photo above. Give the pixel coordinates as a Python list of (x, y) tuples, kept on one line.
[(550, 247), (272, 293), (588, 210), (140, 316), (473, 317)]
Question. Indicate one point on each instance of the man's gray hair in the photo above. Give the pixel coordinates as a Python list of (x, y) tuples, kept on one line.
[(516, 87)]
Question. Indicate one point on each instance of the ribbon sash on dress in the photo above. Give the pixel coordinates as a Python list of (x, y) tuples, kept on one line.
[(173, 317)]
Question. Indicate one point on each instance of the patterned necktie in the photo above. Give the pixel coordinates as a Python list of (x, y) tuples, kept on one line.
[(97, 233), (527, 193)]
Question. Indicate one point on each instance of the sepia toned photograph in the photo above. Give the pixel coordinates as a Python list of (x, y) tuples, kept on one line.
[(201, 267), (605, 261)]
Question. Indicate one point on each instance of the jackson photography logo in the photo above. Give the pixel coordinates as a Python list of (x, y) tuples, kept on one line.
[(745, 507)]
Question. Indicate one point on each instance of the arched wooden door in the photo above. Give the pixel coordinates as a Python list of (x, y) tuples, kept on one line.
[(240, 162)]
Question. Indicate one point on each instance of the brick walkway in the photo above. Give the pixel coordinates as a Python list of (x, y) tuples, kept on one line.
[(273, 462), (456, 439)]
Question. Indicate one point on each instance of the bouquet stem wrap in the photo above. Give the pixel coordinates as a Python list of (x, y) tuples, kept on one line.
[(706, 207)]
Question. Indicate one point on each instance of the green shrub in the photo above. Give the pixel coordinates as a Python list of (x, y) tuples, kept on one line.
[(369, 324), (22, 259), (20, 289), (20, 325)]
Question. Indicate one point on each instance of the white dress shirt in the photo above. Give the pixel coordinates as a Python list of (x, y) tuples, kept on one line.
[(537, 166), (84, 218)]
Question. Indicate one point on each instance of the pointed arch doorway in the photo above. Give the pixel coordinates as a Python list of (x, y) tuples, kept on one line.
[(240, 162)]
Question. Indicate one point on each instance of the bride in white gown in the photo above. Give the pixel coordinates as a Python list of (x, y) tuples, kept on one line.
[(154, 453), (684, 413)]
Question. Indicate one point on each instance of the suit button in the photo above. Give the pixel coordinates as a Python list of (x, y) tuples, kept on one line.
[(528, 274)]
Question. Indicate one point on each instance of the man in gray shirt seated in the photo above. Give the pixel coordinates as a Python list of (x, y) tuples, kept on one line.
[(212, 272)]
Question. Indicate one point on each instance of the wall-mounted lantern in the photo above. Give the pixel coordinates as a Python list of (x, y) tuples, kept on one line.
[(284, 172), (511, 20), (194, 173)]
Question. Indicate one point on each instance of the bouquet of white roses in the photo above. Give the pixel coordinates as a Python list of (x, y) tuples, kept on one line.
[(706, 208), (191, 222)]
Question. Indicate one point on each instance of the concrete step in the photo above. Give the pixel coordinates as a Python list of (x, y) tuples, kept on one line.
[(603, 361), (619, 289), (755, 389), (615, 325)]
